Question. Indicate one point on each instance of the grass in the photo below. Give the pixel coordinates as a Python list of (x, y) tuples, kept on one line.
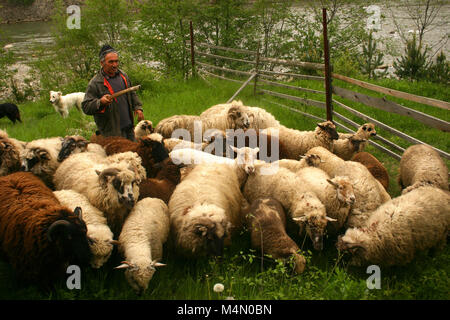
[(243, 272)]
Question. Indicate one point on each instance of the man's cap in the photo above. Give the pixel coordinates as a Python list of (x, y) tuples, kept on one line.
[(105, 50)]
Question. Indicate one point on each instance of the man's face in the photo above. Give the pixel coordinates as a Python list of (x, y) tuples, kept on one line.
[(111, 63)]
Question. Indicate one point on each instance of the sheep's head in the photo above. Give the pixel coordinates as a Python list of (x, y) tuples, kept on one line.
[(367, 130), (206, 232), (55, 96), (69, 233), (354, 242), (123, 182), (238, 116), (72, 145), (329, 128), (30, 157), (246, 158), (310, 215), (344, 190), (144, 128), (101, 248), (138, 276)]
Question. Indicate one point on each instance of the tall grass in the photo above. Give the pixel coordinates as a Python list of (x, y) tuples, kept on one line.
[(244, 273)]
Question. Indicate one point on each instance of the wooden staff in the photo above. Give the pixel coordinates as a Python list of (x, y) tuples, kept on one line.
[(121, 92)]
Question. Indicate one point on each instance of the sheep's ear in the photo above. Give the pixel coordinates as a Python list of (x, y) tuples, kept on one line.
[(234, 148), (124, 265), (78, 212), (255, 150), (57, 228), (114, 242), (59, 93), (334, 184), (300, 219), (331, 219), (42, 154), (158, 264)]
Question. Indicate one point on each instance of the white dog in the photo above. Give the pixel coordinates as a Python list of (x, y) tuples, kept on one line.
[(62, 103)]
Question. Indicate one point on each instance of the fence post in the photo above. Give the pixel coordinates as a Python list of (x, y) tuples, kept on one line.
[(256, 67), (328, 92), (191, 31)]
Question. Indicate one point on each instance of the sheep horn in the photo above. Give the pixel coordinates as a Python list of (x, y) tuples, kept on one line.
[(55, 226)]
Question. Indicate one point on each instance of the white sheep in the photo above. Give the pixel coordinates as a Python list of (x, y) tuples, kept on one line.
[(296, 143), (369, 193), (112, 187), (335, 193), (259, 117), (205, 207), (421, 165), (141, 241), (416, 221), (41, 158), (62, 104), (97, 228), (303, 206), (295, 165)]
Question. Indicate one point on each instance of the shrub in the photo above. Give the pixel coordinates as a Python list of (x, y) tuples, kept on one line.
[(413, 65)]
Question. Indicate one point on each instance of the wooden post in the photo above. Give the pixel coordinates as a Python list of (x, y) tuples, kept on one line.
[(256, 68), (326, 53), (191, 31)]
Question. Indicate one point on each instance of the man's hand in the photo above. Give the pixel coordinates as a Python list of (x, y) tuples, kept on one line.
[(106, 100), (140, 114)]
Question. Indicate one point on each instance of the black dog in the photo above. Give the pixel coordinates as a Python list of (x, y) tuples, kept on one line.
[(11, 111)]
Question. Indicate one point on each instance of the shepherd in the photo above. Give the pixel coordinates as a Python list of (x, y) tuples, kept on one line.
[(112, 111)]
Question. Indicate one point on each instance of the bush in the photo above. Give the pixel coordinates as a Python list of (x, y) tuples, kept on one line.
[(440, 71), (414, 64)]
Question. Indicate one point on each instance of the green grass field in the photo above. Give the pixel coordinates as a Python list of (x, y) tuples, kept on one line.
[(242, 271)]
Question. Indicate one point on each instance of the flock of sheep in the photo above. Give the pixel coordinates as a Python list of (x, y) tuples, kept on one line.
[(70, 200)]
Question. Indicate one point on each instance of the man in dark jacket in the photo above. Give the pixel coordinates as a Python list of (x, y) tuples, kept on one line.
[(113, 116)]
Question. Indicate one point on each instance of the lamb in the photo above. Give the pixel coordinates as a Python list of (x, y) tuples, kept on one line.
[(205, 208), (76, 144), (336, 194), (112, 187), (62, 104), (397, 230), (41, 158), (297, 143), (365, 131), (369, 193), (141, 241), (11, 111), (143, 128), (374, 166), (39, 237), (150, 148), (163, 185), (10, 150), (101, 244), (421, 165), (303, 206), (267, 225)]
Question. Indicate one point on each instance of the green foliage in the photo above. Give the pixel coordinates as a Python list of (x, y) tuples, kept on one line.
[(440, 70), (371, 57), (413, 65), (21, 2)]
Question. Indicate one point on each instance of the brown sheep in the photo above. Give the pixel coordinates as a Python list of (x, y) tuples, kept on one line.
[(267, 223), (163, 185), (150, 148), (374, 166), (39, 237)]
